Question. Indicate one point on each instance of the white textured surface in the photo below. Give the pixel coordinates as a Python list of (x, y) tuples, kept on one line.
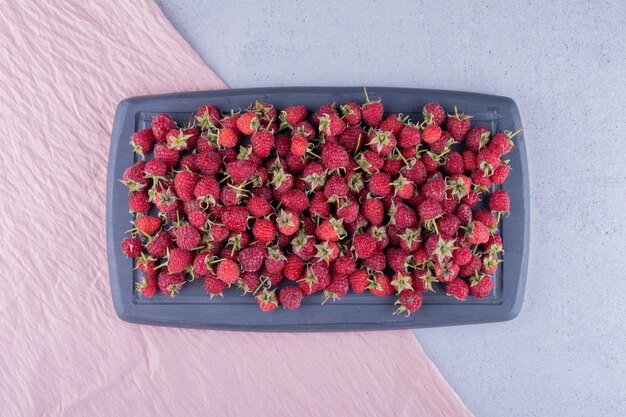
[(564, 63)]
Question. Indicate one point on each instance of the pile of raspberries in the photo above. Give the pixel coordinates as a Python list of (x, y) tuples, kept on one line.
[(288, 203)]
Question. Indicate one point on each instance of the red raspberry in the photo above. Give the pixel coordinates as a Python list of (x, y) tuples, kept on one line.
[(235, 218), (374, 211), (469, 160), (180, 139), (348, 211), (481, 285), (358, 280), (336, 186), (381, 142), (393, 123), (447, 271), (248, 123), (161, 124), (458, 289), (402, 281), (334, 156), (471, 198), (337, 288), (429, 210), (416, 172), (448, 224), (267, 300), (241, 171), (380, 184), (501, 173), (147, 225), (372, 112), (148, 286), (139, 202), (292, 116), (477, 233), (434, 189), (288, 222), (208, 115), (187, 237), (351, 114), (142, 142), (131, 246), (319, 206), (170, 284), (485, 218), (434, 113), (488, 160), (200, 266), (159, 244), (458, 124), (299, 145), (462, 256), (304, 246), (344, 265), (252, 258), (471, 268), (264, 230), (295, 200), (208, 162), (305, 129), (370, 161), (431, 134), (188, 163), (402, 216), (430, 161), (185, 183), (179, 260), (454, 164), (227, 137), (502, 142), (409, 302), (490, 263), (230, 120), (156, 168), (214, 286), (380, 285), (146, 264), (294, 267), (377, 262), (133, 177), (290, 297), (259, 207), (168, 156), (500, 202), (481, 181), (228, 271), (477, 138), (248, 282), (262, 143), (275, 260), (331, 125)]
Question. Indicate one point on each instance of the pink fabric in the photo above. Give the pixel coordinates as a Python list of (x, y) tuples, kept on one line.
[(63, 68)]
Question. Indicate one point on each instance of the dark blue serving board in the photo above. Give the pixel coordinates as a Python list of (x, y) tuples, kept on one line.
[(193, 308)]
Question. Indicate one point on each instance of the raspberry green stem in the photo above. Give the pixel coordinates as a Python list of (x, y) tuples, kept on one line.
[(401, 156), (261, 285)]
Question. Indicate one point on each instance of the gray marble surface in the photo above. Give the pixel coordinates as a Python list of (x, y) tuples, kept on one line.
[(565, 65)]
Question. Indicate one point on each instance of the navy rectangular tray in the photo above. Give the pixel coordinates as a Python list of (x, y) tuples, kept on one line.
[(192, 307)]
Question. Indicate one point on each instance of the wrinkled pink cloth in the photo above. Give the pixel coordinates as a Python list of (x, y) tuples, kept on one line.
[(63, 68)]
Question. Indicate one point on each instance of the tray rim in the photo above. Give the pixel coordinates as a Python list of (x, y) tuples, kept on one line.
[(126, 112)]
